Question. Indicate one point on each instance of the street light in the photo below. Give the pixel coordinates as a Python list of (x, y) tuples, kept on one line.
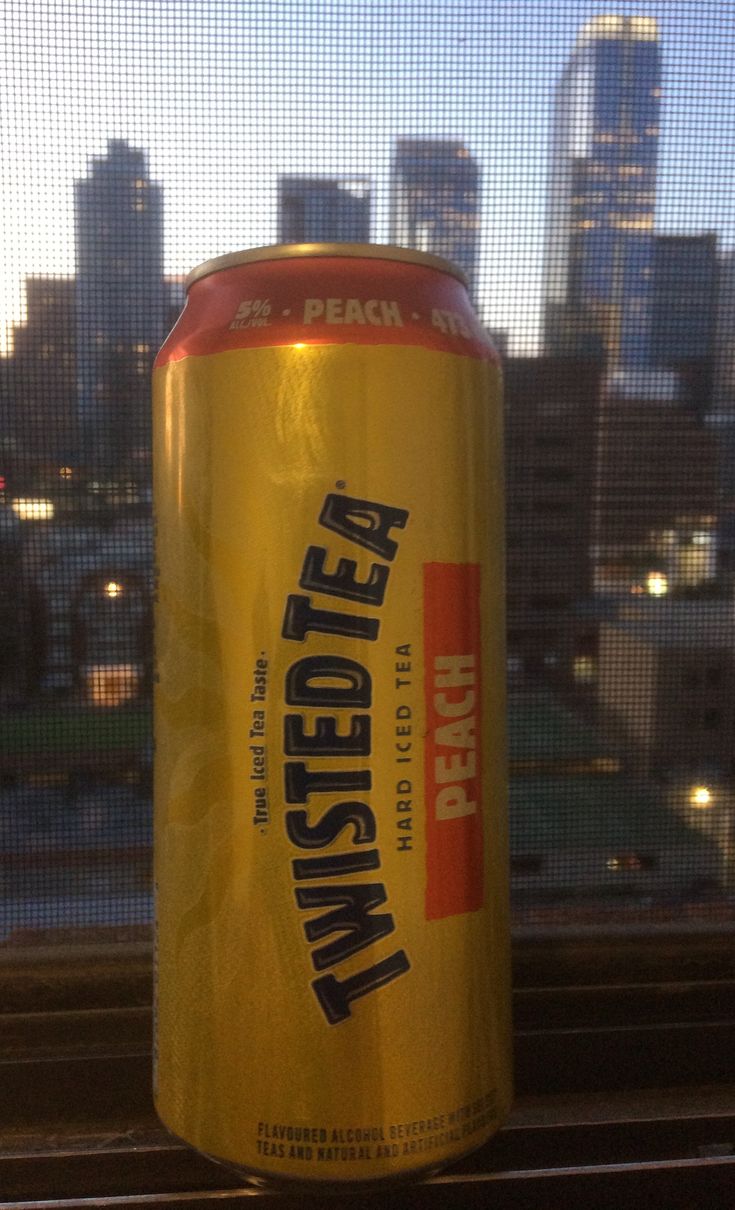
[(700, 797), (713, 814)]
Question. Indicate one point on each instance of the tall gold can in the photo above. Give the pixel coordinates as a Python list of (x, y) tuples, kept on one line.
[(332, 1000)]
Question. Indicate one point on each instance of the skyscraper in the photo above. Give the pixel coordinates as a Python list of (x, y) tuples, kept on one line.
[(121, 309), (722, 418), (599, 244), (323, 209), (435, 202), (684, 313)]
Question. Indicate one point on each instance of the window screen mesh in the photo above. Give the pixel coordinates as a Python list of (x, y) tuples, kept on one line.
[(577, 160)]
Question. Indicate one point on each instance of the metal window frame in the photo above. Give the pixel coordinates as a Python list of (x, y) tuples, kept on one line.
[(625, 1075)]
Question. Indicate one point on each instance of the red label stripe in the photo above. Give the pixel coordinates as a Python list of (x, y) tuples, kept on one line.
[(453, 774)]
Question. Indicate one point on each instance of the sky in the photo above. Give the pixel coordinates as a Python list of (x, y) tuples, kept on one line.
[(224, 95)]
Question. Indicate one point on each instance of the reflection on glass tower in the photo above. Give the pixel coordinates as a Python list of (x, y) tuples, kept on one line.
[(121, 312), (434, 202), (600, 248), (323, 210)]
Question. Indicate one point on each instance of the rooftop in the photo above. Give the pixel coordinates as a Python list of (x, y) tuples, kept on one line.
[(549, 813), (616, 26), (701, 625)]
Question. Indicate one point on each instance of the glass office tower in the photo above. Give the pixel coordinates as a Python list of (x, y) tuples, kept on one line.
[(323, 210), (435, 201), (600, 244)]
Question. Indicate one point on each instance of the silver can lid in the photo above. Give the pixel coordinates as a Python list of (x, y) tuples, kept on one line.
[(302, 251)]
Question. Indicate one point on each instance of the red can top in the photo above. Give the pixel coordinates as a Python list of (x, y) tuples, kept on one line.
[(326, 294)]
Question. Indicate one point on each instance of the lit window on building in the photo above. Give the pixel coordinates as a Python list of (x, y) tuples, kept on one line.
[(585, 669), (657, 584), (111, 685), (28, 509), (628, 861), (644, 223)]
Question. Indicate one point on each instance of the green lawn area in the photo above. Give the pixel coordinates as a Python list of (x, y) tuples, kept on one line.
[(539, 727), (77, 729)]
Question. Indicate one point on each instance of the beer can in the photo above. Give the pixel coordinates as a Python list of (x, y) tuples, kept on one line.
[(332, 987)]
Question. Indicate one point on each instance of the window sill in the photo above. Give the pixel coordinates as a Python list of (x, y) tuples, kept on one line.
[(626, 1087), (652, 1148)]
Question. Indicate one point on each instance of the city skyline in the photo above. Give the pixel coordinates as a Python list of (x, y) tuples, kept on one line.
[(159, 133), (424, 71)]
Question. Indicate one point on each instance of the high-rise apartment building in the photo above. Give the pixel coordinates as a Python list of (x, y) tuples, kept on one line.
[(655, 498), (600, 246), (667, 671), (722, 417), (323, 210), (121, 306), (551, 406), (43, 425), (435, 201), (684, 313), (175, 298), (725, 337)]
